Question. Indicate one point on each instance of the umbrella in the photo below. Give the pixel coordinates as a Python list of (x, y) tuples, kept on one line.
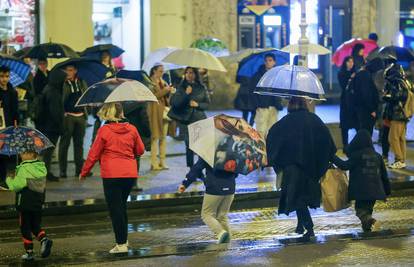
[(19, 71), (345, 49), (401, 54), (312, 49), (90, 70), (96, 51), (115, 90), (228, 143), (16, 140), (251, 64), (212, 45), (51, 50), (195, 58), (290, 80), (157, 57)]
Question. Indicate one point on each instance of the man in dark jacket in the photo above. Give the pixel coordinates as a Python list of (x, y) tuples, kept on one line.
[(51, 114), (9, 115), (40, 80), (368, 179), (74, 121), (366, 97), (267, 107)]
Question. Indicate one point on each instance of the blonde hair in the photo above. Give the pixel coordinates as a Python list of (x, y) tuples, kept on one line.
[(111, 112)]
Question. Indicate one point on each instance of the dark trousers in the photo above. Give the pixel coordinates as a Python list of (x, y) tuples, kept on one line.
[(365, 121), (189, 154), (30, 223), (6, 164), (48, 153), (384, 141), (364, 210), (116, 192), (74, 128), (246, 116), (304, 218)]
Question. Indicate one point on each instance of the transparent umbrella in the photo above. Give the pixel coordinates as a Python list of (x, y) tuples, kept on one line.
[(288, 80)]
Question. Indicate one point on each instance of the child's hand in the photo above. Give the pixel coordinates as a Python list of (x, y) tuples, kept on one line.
[(181, 189)]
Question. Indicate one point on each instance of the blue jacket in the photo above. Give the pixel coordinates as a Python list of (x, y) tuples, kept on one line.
[(217, 182)]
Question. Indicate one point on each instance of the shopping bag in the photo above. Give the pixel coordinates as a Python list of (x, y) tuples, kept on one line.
[(334, 187)]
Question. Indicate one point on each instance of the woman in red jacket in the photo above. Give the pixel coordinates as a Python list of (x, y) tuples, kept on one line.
[(116, 147)]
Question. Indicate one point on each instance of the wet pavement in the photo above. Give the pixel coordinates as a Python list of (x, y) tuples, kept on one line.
[(82, 239)]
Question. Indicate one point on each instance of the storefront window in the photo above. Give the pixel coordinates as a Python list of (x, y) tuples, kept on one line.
[(17, 23)]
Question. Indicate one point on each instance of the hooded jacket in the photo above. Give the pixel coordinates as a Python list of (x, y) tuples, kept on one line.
[(368, 178), (9, 103), (116, 147), (29, 185)]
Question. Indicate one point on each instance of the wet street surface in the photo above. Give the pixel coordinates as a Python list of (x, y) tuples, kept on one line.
[(260, 238)]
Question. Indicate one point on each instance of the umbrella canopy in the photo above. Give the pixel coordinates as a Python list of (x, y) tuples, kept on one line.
[(158, 56), (401, 54), (19, 71), (290, 80), (90, 70), (196, 58), (51, 50), (212, 45), (16, 140), (115, 90), (345, 49), (312, 49), (96, 51), (228, 143), (251, 64)]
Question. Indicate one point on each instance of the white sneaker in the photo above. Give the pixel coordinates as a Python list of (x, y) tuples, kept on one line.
[(397, 165), (122, 248)]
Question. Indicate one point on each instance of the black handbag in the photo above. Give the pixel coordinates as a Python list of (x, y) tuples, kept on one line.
[(182, 115)]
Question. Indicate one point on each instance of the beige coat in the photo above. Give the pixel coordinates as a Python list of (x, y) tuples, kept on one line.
[(156, 110)]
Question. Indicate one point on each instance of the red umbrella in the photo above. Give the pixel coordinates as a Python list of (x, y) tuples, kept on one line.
[(345, 49)]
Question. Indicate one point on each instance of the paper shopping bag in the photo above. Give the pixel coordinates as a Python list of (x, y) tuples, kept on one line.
[(334, 187)]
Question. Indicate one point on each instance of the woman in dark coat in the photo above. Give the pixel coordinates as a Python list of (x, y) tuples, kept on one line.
[(300, 147), (188, 104), (368, 180), (358, 56), (346, 118)]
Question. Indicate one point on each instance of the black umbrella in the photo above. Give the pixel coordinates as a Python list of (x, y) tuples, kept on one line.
[(51, 50), (90, 70), (402, 55), (96, 51)]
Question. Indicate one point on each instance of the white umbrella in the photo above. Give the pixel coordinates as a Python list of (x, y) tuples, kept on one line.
[(289, 80), (158, 56), (195, 58), (312, 49)]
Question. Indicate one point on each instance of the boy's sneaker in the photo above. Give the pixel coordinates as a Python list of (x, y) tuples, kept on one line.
[(224, 237), (45, 247), (28, 256), (397, 165), (122, 248)]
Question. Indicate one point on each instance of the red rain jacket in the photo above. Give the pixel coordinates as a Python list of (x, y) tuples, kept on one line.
[(116, 147)]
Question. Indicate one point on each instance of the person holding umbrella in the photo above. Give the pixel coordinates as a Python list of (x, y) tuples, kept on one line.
[(358, 55), (116, 147), (74, 122), (40, 80)]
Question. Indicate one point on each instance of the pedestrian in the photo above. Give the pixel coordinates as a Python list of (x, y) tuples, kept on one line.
[(116, 147), (299, 148), (158, 121), (366, 97), (396, 96), (9, 115), (346, 116), (358, 56), (243, 101), (40, 81), (368, 178), (74, 121), (188, 105), (29, 183), (267, 107), (50, 116), (220, 188)]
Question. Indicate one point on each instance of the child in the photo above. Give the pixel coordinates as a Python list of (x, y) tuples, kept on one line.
[(29, 184), (368, 180), (220, 187)]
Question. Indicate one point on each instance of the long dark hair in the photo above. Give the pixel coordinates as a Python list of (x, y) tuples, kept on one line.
[(297, 103), (196, 73), (356, 49), (343, 66), (153, 69)]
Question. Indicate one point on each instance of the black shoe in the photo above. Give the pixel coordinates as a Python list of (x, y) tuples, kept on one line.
[(136, 189), (46, 247), (299, 230), (367, 226), (308, 236), (63, 175), (52, 178)]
